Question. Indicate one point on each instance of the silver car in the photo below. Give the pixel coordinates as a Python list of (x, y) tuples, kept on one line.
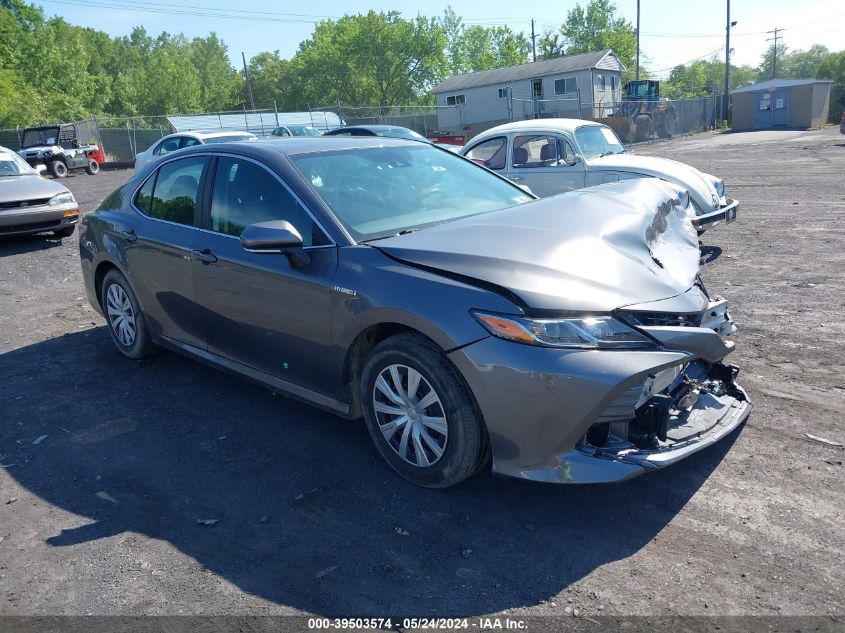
[(552, 156), (568, 339), (30, 203)]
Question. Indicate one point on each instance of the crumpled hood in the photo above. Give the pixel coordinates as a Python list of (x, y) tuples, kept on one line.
[(28, 187), (591, 250), (699, 184)]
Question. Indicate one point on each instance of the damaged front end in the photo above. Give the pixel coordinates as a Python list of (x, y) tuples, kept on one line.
[(661, 417)]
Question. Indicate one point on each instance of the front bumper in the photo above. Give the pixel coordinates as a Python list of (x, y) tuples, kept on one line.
[(545, 408), (22, 221), (725, 213)]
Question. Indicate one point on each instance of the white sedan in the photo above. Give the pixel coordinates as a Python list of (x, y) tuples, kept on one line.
[(552, 156), (181, 140)]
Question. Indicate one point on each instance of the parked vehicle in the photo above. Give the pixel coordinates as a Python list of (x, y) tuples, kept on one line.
[(553, 156), (643, 113), (181, 140), (390, 131), (296, 130), (30, 203), (570, 338), (61, 148), (842, 124)]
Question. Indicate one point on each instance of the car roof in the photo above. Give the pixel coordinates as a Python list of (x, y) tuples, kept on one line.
[(555, 125), (300, 145)]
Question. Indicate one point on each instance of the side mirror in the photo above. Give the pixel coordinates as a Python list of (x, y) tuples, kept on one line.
[(276, 236), (573, 160)]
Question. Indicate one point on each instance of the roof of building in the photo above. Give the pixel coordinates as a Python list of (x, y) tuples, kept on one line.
[(522, 71), (779, 83)]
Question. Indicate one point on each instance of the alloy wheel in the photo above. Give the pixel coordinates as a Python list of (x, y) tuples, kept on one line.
[(121, 315), (410, 415)]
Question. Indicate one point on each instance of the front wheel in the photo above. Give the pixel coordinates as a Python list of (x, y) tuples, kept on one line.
[(93, 167), (123, 314), (420, 414), (58, 169), (667, 124)]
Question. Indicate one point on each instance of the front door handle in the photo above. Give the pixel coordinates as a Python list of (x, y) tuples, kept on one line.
[(205, 255), (129, 235)]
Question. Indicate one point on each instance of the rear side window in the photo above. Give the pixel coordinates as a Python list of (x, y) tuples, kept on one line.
[(172, 192), (492, 153), (144, 197)]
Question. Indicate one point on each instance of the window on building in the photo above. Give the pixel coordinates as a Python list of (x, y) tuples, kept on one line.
[(455, 100), (565, 86), (537, 87), (503, 93), (614, 82), (600, 82)]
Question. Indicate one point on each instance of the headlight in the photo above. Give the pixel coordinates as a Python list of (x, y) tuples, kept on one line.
[(47, 153), (62, 198), (586, 332), (720, 187)]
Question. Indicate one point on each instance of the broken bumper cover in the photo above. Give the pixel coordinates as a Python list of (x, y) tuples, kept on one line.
[(587, 416), (725, 213)]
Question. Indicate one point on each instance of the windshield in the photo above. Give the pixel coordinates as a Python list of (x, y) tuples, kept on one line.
[(381, 191), (40, 136), (231, 138), (13, 165), (303, 130), (598, 140)]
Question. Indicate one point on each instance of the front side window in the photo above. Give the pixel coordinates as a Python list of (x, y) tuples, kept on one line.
[(168, 145), (246, 193), (491, 154), (281, 131), (535, 151), (176, 190), (378, 192)]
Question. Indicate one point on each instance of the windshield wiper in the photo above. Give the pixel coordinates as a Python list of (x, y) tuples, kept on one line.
[(384, 237), (606, 154)]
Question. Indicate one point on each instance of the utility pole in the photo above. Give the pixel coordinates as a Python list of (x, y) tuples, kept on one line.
[(637, 67), (775, 51), (727, 97), (533, 40), (248, 82)]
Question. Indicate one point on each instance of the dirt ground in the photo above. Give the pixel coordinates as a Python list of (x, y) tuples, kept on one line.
[(108, 464)]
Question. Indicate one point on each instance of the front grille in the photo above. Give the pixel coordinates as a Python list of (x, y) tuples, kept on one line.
[(650, 319), (21, 204), (33, 226)]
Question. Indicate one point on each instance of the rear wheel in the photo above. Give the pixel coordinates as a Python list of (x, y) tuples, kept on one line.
[(93, 167), (58, 169), (667, 124), (124, 317), (420, 414)]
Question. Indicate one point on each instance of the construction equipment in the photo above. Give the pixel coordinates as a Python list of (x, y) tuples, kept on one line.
[(642, 113)]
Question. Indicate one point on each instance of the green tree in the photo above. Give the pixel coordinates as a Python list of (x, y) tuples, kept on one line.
[(593, 28), (698, 78), (220, 84), (273, 80), (474, 48)]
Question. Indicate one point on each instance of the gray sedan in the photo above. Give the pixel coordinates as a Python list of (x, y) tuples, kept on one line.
[(566, 340), (30, 203)]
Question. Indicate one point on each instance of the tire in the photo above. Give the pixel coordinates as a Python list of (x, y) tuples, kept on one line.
[(58, 169), (66, 231), (122, 302), (643, 123), (93, 167), (668, 124), (463, 447)]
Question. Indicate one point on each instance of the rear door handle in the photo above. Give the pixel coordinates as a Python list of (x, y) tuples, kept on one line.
[(129, 235), (205, 255)]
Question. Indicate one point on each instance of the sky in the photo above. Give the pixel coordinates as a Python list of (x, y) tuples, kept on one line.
[(673, 31)]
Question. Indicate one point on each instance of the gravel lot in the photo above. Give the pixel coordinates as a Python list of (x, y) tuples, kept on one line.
[(100, 516)]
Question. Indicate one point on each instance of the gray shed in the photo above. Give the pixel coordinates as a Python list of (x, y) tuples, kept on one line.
[(795, 103), (579, 86)]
